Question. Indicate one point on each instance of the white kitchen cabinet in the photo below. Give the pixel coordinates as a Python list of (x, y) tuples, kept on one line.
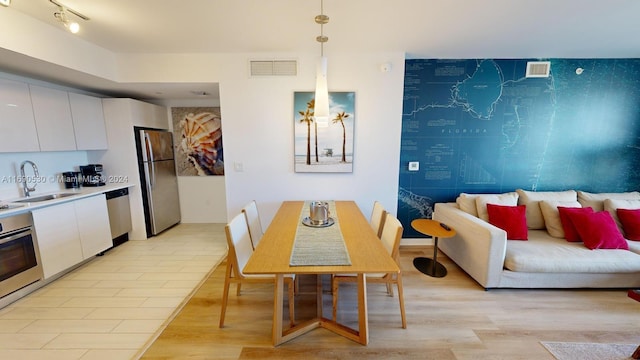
[(92, 216), (71, 232), (53, 119), (17, 124), (58, 238), (88, 122)]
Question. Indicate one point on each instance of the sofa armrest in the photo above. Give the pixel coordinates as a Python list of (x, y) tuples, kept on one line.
[(479, 248)]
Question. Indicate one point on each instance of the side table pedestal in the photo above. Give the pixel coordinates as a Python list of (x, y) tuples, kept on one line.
[(435, 229)]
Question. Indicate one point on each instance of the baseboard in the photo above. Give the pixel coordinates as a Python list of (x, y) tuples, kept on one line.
[(416, 241)]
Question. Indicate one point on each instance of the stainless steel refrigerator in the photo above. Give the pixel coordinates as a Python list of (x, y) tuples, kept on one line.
[(159, 180)]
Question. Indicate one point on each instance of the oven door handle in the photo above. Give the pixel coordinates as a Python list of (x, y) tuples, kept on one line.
[(21, 233)]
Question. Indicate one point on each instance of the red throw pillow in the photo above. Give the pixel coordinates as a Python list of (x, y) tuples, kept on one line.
[(598, 230), (511, 219), (570, 232), (630, 220)]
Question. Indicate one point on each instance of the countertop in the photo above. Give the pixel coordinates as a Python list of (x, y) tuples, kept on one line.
[(82, 192)]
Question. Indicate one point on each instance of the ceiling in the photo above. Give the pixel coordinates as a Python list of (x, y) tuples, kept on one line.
[(418, 28)]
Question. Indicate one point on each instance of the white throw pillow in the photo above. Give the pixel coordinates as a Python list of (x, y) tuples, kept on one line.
[(509, 199), (467, 203), (532, 199), (612, 205), (596, 201), (552, 215)]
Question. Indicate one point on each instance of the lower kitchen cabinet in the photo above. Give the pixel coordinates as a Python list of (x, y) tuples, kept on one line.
[(58, 238), (71, 232), (93, 225)]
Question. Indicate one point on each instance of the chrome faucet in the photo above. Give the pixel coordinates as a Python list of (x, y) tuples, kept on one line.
[(25, 185)]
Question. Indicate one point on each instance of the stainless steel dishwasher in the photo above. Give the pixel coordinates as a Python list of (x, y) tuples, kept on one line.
[(119, 215)]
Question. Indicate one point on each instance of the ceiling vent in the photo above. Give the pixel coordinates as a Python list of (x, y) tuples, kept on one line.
[(273, 67), (538, 69)]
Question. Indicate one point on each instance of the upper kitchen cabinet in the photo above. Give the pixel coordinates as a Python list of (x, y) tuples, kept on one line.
[(53, 119), (17, 124), (149, 115), (88, 122)]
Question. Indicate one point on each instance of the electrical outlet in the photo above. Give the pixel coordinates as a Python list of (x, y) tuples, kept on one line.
[(414, 165)]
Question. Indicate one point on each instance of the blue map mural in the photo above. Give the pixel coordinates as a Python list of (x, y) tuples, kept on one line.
[(480, 125)]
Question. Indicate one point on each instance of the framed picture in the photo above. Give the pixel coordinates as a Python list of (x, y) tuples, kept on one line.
[(197, 138), (324, 148)]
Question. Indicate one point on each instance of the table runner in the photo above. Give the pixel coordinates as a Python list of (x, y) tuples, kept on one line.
[(319, 246)]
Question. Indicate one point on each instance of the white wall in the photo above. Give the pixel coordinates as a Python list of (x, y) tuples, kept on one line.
[(259, 118)]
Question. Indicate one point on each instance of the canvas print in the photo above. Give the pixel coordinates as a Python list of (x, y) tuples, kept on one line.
[(198, 141), (324, 148)]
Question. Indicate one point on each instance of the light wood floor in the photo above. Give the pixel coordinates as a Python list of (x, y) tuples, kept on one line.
[(448, 318)]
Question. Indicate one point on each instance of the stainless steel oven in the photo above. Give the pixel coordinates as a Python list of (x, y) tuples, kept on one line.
[(19, 257)]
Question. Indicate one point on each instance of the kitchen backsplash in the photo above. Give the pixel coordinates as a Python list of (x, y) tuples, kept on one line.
[(50, 165)]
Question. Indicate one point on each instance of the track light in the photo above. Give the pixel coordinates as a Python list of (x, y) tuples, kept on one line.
[(61, 15)]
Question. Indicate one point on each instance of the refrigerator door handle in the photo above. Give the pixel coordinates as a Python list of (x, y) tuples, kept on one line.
[(152, 165)]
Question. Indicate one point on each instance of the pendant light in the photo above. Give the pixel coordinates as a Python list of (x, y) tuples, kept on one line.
[(321, 108)]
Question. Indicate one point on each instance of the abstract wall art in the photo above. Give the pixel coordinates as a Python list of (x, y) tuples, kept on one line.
[(198, 141)]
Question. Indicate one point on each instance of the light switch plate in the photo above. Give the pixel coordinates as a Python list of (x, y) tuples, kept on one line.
[(414, 165)]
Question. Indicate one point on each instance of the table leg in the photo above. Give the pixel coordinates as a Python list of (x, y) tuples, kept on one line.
[(431, 267), (277, 309), (363, 315)]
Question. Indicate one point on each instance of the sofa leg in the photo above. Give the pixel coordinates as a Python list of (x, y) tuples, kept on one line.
[(636, 354)]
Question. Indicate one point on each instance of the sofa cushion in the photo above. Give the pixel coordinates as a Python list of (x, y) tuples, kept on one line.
[(612, 205), (596, 201), (630, 220), (508, 199), (467, 202), (551, 215), (510, 219), (531, 199), (598, 230), (545, 254), (570, 232)]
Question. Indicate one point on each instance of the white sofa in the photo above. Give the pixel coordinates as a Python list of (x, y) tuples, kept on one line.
[(543, 261)]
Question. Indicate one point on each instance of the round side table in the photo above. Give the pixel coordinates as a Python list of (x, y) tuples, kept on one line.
[(434, 229)]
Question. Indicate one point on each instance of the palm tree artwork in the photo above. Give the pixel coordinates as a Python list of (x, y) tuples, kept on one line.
[(333, 144), (340, 117), (307, 118)]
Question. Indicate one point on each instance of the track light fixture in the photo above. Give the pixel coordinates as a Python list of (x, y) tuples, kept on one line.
[(62, 16)]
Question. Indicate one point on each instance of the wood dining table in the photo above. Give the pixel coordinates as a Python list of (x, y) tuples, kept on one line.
[(366, 252)]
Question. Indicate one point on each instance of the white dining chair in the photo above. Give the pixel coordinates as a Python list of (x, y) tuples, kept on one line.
[(391, 236), (240, 249), (252, 217), (377, 217)]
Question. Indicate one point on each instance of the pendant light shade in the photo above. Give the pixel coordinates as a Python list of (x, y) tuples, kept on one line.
[(321, 108)]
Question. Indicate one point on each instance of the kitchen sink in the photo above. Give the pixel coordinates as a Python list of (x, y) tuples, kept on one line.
[(9, 206), (40, 198)]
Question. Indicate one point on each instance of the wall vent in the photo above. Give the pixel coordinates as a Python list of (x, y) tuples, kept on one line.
[(273, 67), (538, 69)]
